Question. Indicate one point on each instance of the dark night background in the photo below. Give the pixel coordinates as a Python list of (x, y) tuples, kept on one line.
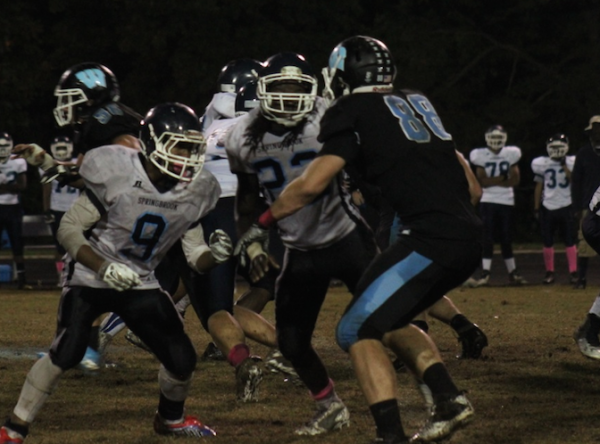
[(530, 65)]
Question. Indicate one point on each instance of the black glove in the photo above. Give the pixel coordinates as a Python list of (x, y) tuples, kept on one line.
[(65, 174)]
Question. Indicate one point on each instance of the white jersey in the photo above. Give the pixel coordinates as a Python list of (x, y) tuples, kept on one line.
[(222, 106), (62, 197), (216, 158), (496, 164), (278, 162), (8, 174), (557, 186), (138, 224), (594, 205)]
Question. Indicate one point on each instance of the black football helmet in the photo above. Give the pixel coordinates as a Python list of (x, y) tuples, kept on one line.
[(237, 73), (82, 88), (166, 126), (557, 146), (6, 146), (495, 137), (359, 62), (61, 148), (246, 99), (287, 108)]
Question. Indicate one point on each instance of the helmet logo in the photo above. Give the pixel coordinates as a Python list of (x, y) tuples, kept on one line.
[(91, 77), (368, 77), (337, 58)]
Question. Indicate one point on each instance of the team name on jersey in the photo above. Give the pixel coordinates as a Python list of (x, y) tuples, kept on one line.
[(281, 146), (157, 203)]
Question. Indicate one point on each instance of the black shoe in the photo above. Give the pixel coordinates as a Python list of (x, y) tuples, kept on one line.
[(549, 279), (212, 353), (514, 278), (580, 284), (574, 278), (473, 341)]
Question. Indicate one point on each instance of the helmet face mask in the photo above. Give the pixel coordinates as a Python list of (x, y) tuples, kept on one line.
[(287, 89), (6, 146), (495, 137), (81, 88), (165, 131), (61, 148), (557, 146)]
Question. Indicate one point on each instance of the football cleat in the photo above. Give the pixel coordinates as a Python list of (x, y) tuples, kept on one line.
[(483, 280), (8, 436), (90, 364), (248, 376), (212, 353), (445, 418), (328, 419), (580, 284), (135, 340), (187, 426), (276, 363), (573, 278), (514, 278), (549, 278), (589, 347), (473, 341)]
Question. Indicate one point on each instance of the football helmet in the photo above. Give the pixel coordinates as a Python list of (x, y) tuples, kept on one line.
[(287, 70), (237, 73), (495, 137), (246, 99), (557, 146), (6, 146), (166, 126), (82, 88), (359, 64), (61, 148)]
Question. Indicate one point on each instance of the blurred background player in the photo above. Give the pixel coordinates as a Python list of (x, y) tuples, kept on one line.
[(57, 199), (497, 170), (13, 181), (552, 203)]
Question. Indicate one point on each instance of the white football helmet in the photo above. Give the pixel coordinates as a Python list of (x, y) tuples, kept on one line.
[(62, 148), (495, 137), (6, 146), (557, 146)]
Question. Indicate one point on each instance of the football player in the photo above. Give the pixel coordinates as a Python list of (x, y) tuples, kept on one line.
[(268, 148), (137, 204), (497, 170), (552, 203), (396, 142), (13, 181)]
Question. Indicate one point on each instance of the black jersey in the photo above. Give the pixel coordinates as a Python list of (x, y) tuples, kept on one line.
[(105, 124), (397, 142)]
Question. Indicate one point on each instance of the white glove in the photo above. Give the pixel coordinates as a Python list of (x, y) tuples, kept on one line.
[(118, 276), (254, 234), (220, 246), (3, 178)]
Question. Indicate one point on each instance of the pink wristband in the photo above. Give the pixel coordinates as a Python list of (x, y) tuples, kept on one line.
[(266, 219)]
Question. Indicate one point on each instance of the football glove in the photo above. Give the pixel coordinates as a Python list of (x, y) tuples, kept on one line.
[(63, 173), (220, 246), (254, 234), (120, 277)]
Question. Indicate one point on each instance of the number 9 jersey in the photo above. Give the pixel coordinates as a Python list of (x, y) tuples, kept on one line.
[(496, 164)]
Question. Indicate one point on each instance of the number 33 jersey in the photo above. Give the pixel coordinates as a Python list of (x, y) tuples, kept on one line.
[(138, 224), (496, 164)]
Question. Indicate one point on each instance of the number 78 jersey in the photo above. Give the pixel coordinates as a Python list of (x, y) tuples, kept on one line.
[(496, 164)]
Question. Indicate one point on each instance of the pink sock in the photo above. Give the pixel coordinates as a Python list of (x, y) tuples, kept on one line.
[(572, 258), (60, 265), (549, 258), (323, 393), (238, 354)]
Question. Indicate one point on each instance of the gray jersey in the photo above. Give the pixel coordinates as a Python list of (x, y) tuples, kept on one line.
[(138, 224), (278, 162)]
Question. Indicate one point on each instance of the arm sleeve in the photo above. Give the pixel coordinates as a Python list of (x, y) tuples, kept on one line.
[(193, 245), (82, 216)]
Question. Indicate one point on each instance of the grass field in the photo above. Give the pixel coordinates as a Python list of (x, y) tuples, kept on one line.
[(532, 386)]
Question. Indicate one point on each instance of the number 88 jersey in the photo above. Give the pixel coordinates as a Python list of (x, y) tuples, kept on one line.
[(496, 164)]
